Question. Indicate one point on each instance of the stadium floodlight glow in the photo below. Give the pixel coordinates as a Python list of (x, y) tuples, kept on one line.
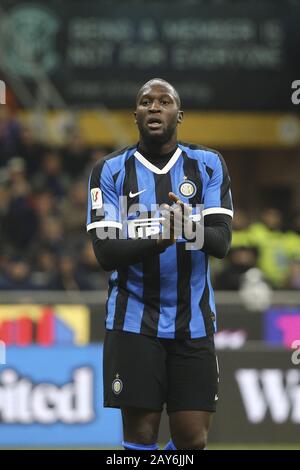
[(2, 92), (2, 352)]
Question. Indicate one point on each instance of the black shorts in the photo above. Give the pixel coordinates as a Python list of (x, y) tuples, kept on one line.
[(147, 372)]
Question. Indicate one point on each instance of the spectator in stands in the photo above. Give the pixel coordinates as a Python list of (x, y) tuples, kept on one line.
[(51, 235), (45, 204), (69, 278), (268, 238), (293, 277), (240, 226), (293, 238), (5, 198), (20, 222), (44, 268), (31, 150), (73, 211), (240, 238), (240, 260), (75, 155), (9, 135), (52, 231), (51, 175), (16, 276), (88, 267)]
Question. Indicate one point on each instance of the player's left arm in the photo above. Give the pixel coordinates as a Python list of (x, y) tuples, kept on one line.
[(217, 227), (217, 212)]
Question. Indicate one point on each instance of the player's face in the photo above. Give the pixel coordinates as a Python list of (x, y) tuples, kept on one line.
[(157, 113)]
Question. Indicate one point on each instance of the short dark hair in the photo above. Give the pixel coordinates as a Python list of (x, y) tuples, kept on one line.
[(163, 82)]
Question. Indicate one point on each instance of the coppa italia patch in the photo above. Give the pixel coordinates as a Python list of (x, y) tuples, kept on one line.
[(96, 196)]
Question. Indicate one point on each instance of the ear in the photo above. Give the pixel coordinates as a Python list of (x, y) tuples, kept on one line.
[(180, 117)]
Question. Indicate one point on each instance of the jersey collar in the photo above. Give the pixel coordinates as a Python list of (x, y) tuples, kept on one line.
[(154, 168)]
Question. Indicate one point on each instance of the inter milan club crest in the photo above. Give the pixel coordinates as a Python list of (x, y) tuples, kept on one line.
[(187, 188), (117, 385)]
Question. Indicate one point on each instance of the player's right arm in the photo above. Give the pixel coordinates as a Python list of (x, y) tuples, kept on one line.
[(104, 225), (118, 253)]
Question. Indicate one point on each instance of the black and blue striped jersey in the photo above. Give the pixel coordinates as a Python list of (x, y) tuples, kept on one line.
[(169, 295)]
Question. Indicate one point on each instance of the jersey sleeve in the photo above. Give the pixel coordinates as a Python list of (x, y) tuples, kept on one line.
[(103, 202), (217, 196)]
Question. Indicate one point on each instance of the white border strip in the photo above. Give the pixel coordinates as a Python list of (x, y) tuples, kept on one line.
[(104, 223), (217, 210), (154, 168)]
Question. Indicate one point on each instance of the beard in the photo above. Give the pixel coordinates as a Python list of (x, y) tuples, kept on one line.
[(159, 138)]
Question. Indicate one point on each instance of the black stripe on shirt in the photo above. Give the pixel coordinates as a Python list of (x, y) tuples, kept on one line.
[(151, 267), (129, 184), (184, 270), (191, 171), (115, 176), (208, 315), (209, 171), (225, 194), (121, 300)]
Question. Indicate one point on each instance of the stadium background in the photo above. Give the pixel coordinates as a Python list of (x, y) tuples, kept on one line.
[(71, 71)]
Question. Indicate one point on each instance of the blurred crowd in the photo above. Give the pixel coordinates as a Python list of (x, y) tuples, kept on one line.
[(268, 244), (43, 243)]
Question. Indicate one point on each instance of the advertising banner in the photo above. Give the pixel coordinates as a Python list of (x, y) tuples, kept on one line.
[(259, 399), (282, 326), (46, 325), (53, 397), (228, 57)]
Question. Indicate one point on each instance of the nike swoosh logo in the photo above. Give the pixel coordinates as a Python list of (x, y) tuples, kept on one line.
[(136, 194)]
